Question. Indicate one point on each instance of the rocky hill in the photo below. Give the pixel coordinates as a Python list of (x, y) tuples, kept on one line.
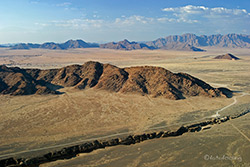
[(125, 45), (227, 56), (51, 45), (229, 40), (16, 81), (145, 80)]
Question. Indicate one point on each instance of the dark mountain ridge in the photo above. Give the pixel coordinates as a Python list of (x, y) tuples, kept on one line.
[(154, 81)]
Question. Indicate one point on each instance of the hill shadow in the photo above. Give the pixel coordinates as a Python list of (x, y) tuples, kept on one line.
[(51, 86), (55, 88), (227, 92)]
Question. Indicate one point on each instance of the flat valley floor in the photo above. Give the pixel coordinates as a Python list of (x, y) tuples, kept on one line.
[(36, 124)]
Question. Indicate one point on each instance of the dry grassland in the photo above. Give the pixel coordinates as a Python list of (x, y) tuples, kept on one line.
[(28, 122)]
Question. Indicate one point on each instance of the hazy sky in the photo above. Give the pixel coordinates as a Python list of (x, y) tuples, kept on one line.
[(113, 20)]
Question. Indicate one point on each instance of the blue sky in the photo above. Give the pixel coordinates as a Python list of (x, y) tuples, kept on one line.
[(40, 21)]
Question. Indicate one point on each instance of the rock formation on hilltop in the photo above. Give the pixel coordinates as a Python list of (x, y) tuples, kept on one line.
[(125, 45), (154, 81), (227, 56)]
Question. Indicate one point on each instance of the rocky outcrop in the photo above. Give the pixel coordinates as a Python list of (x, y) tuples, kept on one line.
[(154, 81), (227, 56), (73, 151)]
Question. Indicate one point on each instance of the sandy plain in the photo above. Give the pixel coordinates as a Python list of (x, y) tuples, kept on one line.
[(31, 122)]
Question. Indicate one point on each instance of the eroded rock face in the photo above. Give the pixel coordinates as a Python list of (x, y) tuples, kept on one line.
[(154, 81)]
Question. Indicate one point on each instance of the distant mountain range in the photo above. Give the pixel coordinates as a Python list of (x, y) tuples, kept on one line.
[(51, 45), (186, 42), (126, 45), (229, 40)]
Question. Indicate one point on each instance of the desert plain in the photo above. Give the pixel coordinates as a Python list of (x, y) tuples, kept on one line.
[(34, 124)]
